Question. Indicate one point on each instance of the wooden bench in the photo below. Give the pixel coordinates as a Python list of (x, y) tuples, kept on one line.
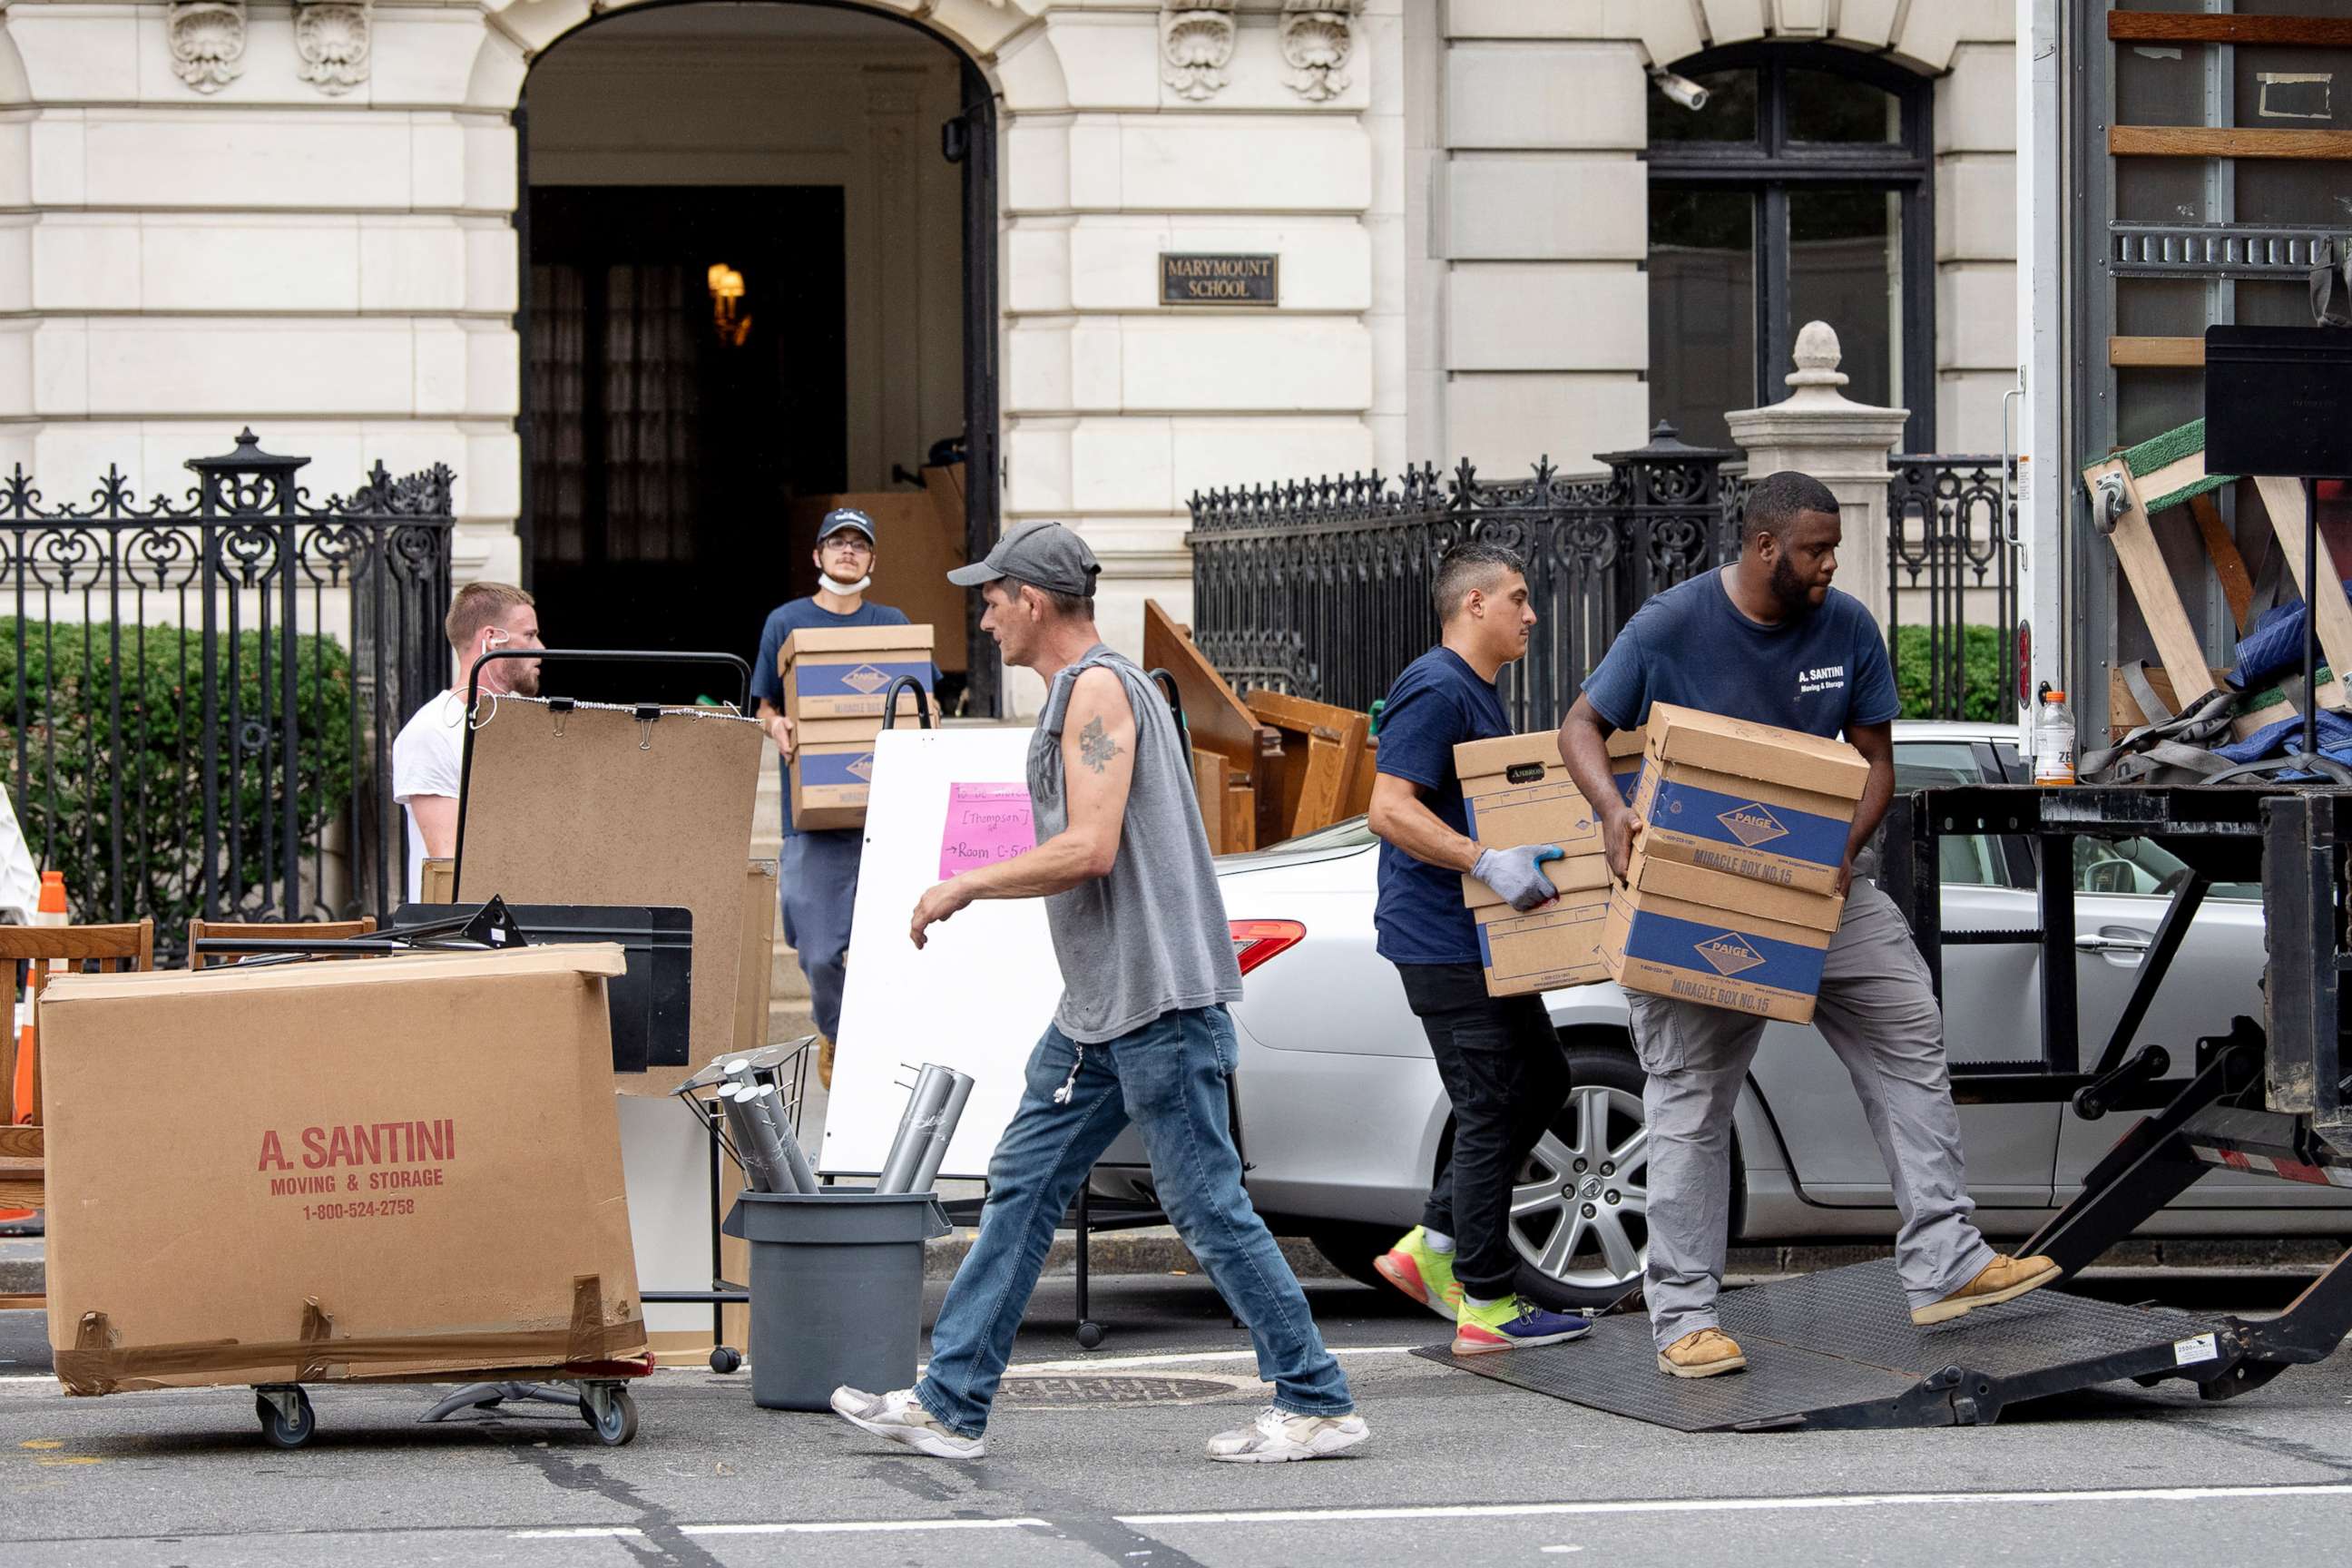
[(264, 931)]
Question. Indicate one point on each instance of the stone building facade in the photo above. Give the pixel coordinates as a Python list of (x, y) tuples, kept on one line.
[(310, 217)]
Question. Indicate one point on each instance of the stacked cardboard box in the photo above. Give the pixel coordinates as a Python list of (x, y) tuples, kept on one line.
[(1518, 792), (1731, 898), (835, 679)]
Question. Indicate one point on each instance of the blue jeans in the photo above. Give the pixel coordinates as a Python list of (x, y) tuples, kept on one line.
[(1170, 1078), (817, 883)]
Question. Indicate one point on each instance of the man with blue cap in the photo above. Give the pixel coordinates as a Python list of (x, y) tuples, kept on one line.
[(818, 868)]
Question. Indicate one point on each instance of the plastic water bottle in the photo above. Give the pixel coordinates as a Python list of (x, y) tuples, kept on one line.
[(2053, 741)]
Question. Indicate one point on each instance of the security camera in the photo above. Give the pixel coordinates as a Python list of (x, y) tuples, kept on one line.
[(1681, 88)]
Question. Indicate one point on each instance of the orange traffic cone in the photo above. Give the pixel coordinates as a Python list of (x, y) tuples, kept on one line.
[(50, 910)]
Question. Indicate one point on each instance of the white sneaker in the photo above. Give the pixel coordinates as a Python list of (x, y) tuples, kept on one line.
[(901, 1416), (1278, 1436)]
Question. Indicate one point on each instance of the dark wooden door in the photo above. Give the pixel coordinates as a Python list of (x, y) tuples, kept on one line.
[(665, 446)]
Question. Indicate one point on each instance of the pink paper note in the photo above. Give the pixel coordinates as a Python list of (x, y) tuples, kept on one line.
[(986, 823)]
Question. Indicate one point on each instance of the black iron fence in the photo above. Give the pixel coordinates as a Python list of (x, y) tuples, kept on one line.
[(1951, 571), (1322, 588), (203, 693)]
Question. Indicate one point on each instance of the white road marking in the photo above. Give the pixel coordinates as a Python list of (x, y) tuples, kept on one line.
[(1115, 1363), (791, 1527), (1480, 1510), (1740, 1505)]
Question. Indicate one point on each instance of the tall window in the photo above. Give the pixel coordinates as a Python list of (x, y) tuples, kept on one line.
[(1799, 192)]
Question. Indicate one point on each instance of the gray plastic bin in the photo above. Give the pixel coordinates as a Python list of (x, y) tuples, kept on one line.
[(837, 1290)]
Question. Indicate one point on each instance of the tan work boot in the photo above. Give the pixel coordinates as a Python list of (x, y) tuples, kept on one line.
[(1702, 1352), (2005, 1278), (824, 1060)]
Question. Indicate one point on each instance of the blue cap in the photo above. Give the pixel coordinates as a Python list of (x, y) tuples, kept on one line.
[(842, 517)]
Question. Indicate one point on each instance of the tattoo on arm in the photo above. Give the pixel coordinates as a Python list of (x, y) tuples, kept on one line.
[(1095, 748)]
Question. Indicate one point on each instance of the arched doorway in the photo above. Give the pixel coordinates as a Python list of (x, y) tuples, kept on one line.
[(774, 289)]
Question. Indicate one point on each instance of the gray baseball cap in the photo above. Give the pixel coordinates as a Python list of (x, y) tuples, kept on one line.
[(842, 517), (1044, 554)]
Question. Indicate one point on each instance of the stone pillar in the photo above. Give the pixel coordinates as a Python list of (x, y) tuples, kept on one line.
[(1817, 430)]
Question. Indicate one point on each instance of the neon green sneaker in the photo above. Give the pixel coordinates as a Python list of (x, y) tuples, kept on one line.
[(1423, 1274)]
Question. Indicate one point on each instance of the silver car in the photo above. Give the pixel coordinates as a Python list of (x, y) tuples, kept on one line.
[(1343, 1122)]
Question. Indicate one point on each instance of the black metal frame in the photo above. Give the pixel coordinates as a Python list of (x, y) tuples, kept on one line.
[(1775, 161), (2270, 1095)]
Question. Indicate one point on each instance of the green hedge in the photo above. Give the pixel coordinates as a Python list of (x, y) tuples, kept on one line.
[(1984, 697), (75, 756)]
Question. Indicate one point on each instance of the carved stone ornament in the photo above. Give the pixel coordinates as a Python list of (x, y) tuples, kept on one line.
[(1196, 40), (1316, 36), (208, 42), (331, 36)]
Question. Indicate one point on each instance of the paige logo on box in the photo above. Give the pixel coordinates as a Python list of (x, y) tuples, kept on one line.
[(1752, 824), (865, 681), (862, 768), (1729, 953)]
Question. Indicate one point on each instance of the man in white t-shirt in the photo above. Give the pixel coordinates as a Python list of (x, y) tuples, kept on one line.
[(428, 758)]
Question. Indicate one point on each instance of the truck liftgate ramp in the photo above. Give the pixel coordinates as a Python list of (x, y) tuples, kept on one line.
[(1837, 1350)]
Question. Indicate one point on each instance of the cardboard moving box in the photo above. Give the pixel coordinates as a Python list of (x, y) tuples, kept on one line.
[(832, 770), (1548, 949), (1770, 805), (1699, 935), (1517, 790), (408, 1167), (843, 673)]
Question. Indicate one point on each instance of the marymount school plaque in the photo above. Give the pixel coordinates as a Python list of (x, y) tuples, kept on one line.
[(1218, 280)]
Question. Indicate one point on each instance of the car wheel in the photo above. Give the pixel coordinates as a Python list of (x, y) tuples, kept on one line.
[(1350, 1249), (1580, 1210)]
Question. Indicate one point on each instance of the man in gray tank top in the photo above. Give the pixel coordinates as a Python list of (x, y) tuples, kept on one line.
[(1141, 1035)]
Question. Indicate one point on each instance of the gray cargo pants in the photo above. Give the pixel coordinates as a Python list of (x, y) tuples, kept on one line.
[(1878, 1013)]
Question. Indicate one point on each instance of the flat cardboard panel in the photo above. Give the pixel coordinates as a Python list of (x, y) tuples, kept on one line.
[(425, 1145), (613, 811)]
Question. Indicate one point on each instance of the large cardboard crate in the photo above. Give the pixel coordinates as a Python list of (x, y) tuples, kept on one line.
[(843, 673), (1750, 800), (1516, 791), (363, 1168), (1699, 935)]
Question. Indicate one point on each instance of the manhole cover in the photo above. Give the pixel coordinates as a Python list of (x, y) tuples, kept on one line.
[(1045, 1392)]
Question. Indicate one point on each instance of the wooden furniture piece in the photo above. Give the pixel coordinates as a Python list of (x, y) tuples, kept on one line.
[(1237, 812), (108, 949), (264, 931), (1323, 756)]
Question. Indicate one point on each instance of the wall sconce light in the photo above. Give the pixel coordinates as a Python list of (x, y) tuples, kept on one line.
[(728, 318)]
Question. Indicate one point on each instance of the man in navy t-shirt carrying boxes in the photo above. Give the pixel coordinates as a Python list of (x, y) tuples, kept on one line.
[(817, 866), (1767, 641), (1499, 1057)]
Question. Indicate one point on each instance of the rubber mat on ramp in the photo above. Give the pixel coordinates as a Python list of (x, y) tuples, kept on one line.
[(1838, 1349)]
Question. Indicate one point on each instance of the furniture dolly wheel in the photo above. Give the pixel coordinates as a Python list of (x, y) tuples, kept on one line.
[(287, 1418), (726, 1358), (611, 1412), (1090, 1335)]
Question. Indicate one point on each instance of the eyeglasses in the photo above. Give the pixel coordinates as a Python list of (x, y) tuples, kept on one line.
[(857, 542)]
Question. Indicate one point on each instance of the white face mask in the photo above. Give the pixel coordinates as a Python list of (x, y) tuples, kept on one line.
[(835, 585)]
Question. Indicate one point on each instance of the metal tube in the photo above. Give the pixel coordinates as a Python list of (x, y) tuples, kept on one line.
[(770, 1103), (757, 1173), (762, 1109), (923, 1107), (943, 1132)]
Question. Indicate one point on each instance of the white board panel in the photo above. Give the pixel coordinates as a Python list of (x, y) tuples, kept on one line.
[(976, 998)]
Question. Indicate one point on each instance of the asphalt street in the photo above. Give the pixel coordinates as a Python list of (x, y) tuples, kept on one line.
[(1460, 1469)]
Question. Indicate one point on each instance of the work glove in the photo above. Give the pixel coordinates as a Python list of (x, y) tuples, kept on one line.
[(1518, 874)]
